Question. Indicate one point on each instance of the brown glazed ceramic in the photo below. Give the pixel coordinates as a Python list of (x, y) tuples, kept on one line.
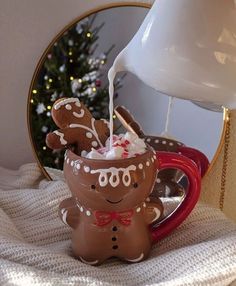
[(109, 209), (77, 127), (167, 180)]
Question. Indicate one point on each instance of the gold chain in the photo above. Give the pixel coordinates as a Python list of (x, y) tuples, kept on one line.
[(225, 162)]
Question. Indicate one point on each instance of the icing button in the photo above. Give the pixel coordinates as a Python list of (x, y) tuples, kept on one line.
[(140, 166), (158, 180), (94, 143), (89, 135), (114, 228), (88, 213), (115, 246), (86, 169), (114, 238)]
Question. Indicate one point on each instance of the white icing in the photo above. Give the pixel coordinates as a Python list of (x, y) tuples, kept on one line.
[(78, 115), (72, 163), (114, 179), (88, 262), (68, 107), (147, 163), (148, 200), (171, 144), (64, 216), (68, 161), (157, 214), (140, 166), (88, 213), (137, 259), (94, 143), (152, 160), (89, 135), (144, 205), (66, 101), (138, 209), (149, 140), (81, 209), (156, 141), (86, 169), (92, 130), (158, 180), (61, 136), (164, 142)]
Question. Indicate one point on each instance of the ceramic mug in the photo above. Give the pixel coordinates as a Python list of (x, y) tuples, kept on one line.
[(110, 209)]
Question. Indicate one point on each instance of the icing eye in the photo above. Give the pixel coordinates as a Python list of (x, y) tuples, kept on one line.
[(135, 185), (93, 187)]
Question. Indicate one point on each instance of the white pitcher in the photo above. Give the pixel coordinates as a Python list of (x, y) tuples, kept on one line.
[(186, 49)]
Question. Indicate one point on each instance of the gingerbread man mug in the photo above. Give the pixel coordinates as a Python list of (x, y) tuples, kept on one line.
[(110, 211)]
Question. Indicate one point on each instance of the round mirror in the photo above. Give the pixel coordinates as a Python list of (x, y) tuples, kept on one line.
[(76, 63)]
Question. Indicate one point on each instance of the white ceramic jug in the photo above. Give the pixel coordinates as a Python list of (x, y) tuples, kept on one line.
[(186, 49)]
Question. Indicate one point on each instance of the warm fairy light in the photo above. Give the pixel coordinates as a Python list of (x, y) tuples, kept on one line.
[(79, 80), (49, 107), (34, 91), (71, 61), (44, 147), (32, 101), (71, 77), (88, 35), (50, 80), (94, 89), (102, 62), (114, 116), (47, 86), (70, 53)]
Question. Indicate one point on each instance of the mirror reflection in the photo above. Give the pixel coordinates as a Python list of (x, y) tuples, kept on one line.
[(76, 65)]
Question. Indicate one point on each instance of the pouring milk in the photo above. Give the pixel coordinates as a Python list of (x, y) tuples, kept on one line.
[(185, 49)]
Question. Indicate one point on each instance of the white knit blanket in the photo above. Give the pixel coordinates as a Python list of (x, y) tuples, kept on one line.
[(35, 244)]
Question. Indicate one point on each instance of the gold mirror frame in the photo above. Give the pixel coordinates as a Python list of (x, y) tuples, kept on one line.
[(42, 59)]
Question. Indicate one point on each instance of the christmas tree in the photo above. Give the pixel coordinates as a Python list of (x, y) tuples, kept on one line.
[(70, 69)]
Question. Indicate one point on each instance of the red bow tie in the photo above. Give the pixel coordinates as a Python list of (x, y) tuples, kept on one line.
[(104, 218)]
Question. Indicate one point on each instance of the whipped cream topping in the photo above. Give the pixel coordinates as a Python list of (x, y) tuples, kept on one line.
[(123, 146)]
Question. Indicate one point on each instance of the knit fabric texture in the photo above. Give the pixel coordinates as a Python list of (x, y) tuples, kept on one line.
[(35, 247)]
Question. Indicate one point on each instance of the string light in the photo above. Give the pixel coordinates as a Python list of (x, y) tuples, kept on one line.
[(34, 91), (71, 61), (47, 86), (32, 101), (50, 80), (102, 62), (49, 107), (71, 78), (44, 147), (114, 116), (79, 80), (70, 53), (88, 35), (94, 89)]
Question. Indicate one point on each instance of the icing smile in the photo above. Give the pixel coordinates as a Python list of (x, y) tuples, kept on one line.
[(112, 202)]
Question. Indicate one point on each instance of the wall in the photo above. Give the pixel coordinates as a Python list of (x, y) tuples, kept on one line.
[(26, 28)]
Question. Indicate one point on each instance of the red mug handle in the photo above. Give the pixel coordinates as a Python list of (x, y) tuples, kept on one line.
[(198, 157), (166, 160)]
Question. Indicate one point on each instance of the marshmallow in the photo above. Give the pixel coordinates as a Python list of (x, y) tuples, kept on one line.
[(124, 146)]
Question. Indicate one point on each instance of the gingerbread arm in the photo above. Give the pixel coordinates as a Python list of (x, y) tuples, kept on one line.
[(69, 213), (154, 210)]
